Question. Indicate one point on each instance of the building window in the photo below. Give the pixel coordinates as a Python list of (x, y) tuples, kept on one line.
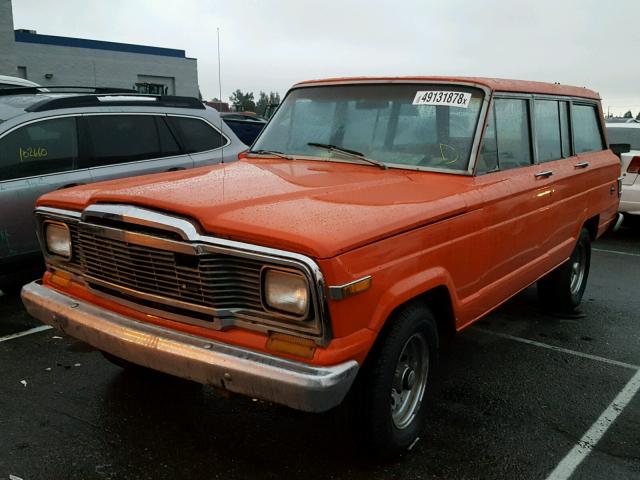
[(151, 88), (22, 72)]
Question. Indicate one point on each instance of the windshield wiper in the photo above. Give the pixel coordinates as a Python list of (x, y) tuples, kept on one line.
[(271, 152), (348, 153)]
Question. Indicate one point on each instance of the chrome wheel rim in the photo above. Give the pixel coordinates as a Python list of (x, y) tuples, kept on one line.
[(409, 380), (578, 268)]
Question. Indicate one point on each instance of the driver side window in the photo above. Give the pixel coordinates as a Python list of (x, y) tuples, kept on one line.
[(507, 142)]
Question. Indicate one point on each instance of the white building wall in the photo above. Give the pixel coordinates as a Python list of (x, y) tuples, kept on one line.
[(104, 68), (7, 51)]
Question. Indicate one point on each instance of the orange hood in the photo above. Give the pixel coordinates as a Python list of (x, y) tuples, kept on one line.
[(317, 208)]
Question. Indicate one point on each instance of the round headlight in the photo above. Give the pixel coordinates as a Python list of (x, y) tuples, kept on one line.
[(286, 291), (58, 239)]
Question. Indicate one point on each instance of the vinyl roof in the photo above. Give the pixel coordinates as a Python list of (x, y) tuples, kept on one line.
[(495, 84)]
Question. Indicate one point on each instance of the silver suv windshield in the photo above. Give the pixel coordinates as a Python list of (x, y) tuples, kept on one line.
[(402, 125)]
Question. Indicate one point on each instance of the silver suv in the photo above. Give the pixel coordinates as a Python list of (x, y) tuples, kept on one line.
[(70, 136)]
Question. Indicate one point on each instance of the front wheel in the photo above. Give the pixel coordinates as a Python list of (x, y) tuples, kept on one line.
[(395, 381), (561, 290)]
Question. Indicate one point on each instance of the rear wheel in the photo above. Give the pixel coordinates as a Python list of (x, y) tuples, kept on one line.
[(394, 382), (562, 289)]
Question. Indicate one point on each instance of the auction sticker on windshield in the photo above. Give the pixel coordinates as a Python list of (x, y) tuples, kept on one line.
[(442, 97)]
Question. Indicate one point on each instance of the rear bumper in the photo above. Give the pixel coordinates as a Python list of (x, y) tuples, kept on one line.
[(630, 199), (297, 385)]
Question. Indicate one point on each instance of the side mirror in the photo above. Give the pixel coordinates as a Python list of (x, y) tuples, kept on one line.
[(620, 148)]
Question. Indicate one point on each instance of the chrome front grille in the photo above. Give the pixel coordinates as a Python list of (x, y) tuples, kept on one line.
[(211, 280), (73, 230), (163, 266)]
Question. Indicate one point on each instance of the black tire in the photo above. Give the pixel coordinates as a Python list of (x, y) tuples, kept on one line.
[(561, 290), (632, 221), (11, 289), (384, 429)]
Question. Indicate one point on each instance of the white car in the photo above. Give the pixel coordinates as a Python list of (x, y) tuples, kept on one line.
[(628, 133), (15, 82)]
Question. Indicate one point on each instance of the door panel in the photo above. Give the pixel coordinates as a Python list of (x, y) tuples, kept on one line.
[(34, 159), (143, 167), (515, 213), (18, 198)]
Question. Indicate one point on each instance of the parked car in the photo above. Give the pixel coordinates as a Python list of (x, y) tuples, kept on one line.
[(13, 82), (628, 133), (246, 126), (372, 218), (66, 136)]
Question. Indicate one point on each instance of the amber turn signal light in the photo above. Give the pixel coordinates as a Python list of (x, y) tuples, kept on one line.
[(300, 347), (350, 289), (60, 278)]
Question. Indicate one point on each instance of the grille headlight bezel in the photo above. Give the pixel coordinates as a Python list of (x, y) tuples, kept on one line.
[(57, 238), (286, 292)]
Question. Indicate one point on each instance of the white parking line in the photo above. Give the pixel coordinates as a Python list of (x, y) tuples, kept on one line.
[(41, 328), (559, 349), (618, 252), (586, 444)]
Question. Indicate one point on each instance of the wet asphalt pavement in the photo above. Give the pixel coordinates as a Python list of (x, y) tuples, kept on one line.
[(503, 409)]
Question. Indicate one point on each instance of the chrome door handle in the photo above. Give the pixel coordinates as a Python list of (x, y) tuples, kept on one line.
[(581, 165), (545, 174)]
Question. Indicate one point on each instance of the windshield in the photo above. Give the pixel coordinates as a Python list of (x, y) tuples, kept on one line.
[(407, 125), (625, 135)]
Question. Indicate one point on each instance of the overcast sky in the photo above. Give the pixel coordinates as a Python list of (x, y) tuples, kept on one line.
[(269, 45)]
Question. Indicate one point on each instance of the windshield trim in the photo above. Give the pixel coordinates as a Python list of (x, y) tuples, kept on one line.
[(475, 146)]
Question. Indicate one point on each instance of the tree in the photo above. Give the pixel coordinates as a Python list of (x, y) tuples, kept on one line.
[(261, 104), (274, 98), (265, 100), (628, 114), (243, 101), (638, 117)]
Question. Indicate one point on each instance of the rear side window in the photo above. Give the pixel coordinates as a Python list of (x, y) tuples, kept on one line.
[(586, 131), (548, 138), (127, 138), (512, 132), (197, 135), (40, 148)]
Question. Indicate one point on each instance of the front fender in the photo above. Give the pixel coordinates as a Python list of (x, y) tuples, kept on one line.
[(409, 288)]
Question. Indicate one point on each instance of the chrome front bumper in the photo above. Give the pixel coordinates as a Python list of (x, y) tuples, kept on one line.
[(295, 384)]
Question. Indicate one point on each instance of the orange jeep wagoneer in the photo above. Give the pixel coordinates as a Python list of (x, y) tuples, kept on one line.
[(372, 217)]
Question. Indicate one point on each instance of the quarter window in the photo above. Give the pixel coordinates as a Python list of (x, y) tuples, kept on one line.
[(488, 158), (547, 121), (128, 138), (40, 148), (512, 132), (197, 135), (586, 132)]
